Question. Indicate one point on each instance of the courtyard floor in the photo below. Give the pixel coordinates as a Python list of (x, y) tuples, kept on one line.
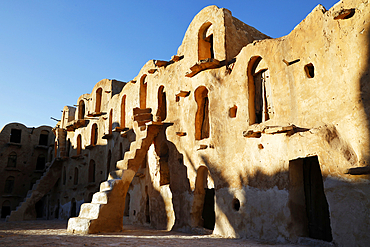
[(54, 233)]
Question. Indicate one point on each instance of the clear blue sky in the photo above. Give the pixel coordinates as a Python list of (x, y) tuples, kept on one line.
[(51, 52)]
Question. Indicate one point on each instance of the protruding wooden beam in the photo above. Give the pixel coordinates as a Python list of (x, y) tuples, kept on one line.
[(183, 94)]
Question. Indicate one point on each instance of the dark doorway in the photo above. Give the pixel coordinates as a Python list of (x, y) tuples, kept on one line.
[(147, 214), (39, 206), (73, 208), (57, 210), (317, 207), (208, 213), (5, 209)]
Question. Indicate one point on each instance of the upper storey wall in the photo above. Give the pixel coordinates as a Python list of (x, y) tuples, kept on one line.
[(229, 35)]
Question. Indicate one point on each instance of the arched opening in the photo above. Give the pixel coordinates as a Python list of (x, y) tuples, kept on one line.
[(40, 165), (79, 144), (94, 134), (73, 208), (68, 146), (147, 210), (5, 209), (127, 205), (204, 202), (143, 89), (44, 136), (9, 185), (39, 207), (81, 109), (12, 160), (205, 42), (99, 92), (108, 162), (64, 175), (15, 135), (202, 115), (56, 212), (162, 104), (123, 111), (75, 179), (55, 149), (110, 121), (121, 154), (309, 206), (91, 171), (259, 101)]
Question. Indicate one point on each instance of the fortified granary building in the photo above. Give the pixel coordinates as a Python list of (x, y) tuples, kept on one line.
[(238, 133)]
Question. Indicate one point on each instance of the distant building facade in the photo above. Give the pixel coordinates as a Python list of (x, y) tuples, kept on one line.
[(24, 156)]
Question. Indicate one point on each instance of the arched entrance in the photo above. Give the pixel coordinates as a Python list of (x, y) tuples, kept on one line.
[(203, 211)]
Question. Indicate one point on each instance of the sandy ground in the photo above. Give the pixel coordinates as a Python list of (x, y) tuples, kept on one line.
[(54, 233)]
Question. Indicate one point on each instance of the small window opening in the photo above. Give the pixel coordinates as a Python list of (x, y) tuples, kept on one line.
[(64, 175), (79, 144), (40, 165), (232, 111), (108, 162), (236, 204), (44, 136), (68, 146), (202, 115), (310, 70), (123, 111), (98, 99), (110, 121), (12, 160), (92, 171), (81, 109), (94, 134), (147, 210), (73, 208), (9, 185), (127, 205), (75, 179), (143, 89), (344, 14), (162, 104), (15, 135)]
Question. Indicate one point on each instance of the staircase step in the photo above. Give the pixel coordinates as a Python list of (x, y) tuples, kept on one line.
[(101, 197), (108, 185), (78, 225), (90, 210), (121, 164), (117, 174)]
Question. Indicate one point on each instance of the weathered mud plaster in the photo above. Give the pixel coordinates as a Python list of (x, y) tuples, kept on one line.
[(238, 133)]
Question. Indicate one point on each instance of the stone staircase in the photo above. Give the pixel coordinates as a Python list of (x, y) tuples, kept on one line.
[(105, 212), (26, 209)]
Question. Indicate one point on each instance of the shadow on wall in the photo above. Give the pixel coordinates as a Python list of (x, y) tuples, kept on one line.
[(297, 200), (364, 86)]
